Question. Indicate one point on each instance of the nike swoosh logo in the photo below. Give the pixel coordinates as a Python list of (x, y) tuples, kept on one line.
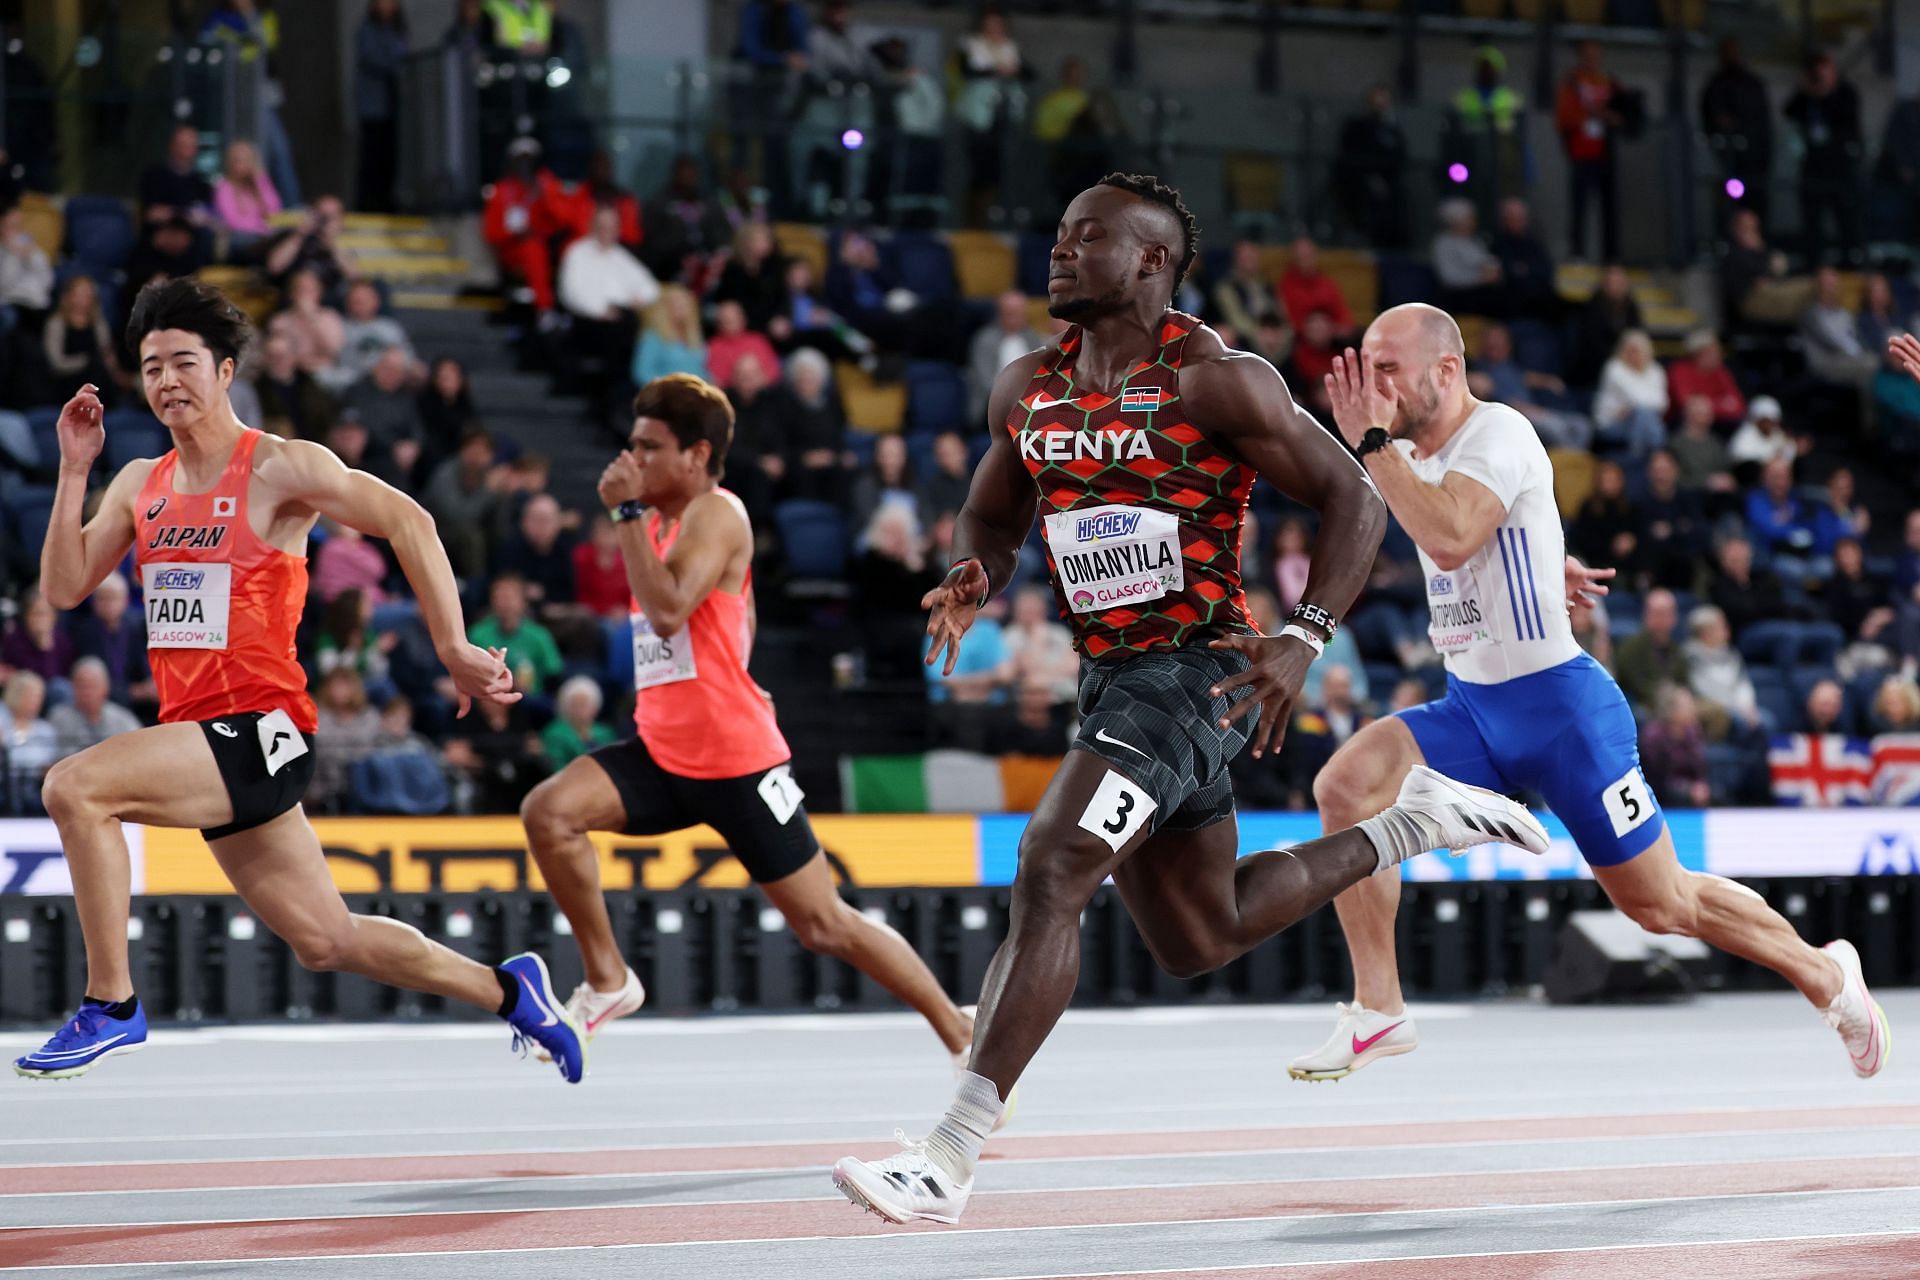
[(1361, 1046), (1101, 735), (1041, 402), (539, 1004), (44, 1056)]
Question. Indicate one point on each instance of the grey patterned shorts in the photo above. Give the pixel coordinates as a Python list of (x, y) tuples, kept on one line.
[(1152, 718)]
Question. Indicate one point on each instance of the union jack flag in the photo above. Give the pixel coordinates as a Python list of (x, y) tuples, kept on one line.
[(1140, 399), (1821, 770), (1896, 769)]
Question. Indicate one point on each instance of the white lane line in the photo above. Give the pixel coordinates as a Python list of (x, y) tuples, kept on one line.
[(1089, 1226), (821, 1171)]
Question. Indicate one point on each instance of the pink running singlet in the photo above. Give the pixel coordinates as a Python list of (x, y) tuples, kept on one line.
[(699, 712)]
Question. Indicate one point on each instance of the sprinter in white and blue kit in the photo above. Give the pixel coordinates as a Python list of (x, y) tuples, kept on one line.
[(1525, 707)]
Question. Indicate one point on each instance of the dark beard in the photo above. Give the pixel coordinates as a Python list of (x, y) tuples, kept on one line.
[(1081, 310)]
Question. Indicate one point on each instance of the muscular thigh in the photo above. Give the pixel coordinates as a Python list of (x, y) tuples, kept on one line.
[(279, 869), (1091, 819), (163, 776), (584, 792), (1180, 883), (1651, 878)]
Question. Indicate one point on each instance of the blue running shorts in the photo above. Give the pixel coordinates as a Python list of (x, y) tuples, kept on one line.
[(1566, 733)]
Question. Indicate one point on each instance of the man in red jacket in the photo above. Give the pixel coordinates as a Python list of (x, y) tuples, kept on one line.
[(1587, 117), (1704, 372), (518, 222)]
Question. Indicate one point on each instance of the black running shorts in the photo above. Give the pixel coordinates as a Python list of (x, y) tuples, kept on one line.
[(759, 815), (1151, 717), (244, 755)]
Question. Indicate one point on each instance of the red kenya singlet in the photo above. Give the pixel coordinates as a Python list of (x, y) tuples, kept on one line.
[(1142, 515), (222, 605), (699, 712)]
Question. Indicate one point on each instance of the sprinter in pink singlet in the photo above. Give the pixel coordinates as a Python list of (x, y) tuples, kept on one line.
[(708, 750)]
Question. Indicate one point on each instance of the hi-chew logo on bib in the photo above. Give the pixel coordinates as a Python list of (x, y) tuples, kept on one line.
[(1114, 556), (659, 659), (187, 604)]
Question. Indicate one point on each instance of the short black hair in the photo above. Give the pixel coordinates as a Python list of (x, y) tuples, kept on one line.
[(1150, 188), (195, 307), (694, 410)]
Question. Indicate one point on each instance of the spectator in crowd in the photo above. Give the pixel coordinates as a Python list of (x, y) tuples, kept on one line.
[(1761, 439), (313, 329), (1408, 694), (1756, 289), (600, 190), (576, 728), (1631, 407), (174, 187), (463, 496), (347, 639), (1841, 515), (1607, 530), (244, 198), (1856, 599), (996, 345), (26, 276), (38, 644), (1272, 340), (1243, 296), (1737, 118), (518, 225), (79, 347), (1826, 709), (292, 403), (1370, 171), (380, 47), (913, 106), (1879, 319), (734, 344), (495, 761), (755, 276), (347, 438), (1588, 618), (864, 289), (1038, 725), (773, 39), (1745, 594), (1672, 534), (816, 428), (757, 463), (1489, 118), (1527, 281), (680, 227), (539, 554), (809, 322), (1060, 106), (962, 698), (1780, 523), (366, 336), (890, 575), (91, 717), (1588, 114), (397, 732), (1717, 675), (1830, 336), (28, 744), (347, 562), (1705, 464), (250, 30), (1039, 648), (1826, 109), (1605, 318), (1304, 289), (1292, 557), (522, 27), (834, 57), (447, 410), (600, 572), (532, 655), (349, 732), (1896, 175), (386, 404), (670, 338), (1321, 724), (109, 631), (1311, 360), (315, 245), (1496, 375), (945, 491), (1468, 272), (889, 478), (1652, 656), (991, 69), (1703, 372), (1673, 750), (1896, 706), (170, 250), (604, 289)]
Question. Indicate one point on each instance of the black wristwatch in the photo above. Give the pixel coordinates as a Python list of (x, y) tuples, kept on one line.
[(1314, 616), (631, 509), (1373, 441)]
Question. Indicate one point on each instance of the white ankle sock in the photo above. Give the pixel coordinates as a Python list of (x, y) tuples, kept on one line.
[(1398, 835), (955, 1142)]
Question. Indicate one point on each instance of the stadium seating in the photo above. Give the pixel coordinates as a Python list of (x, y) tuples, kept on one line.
[(936, 396), (133, 433), (984, 262), (925, 264), (870, 405), (100, 234), (814, 535)]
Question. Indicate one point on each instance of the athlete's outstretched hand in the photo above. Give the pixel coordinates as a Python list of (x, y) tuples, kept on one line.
[(82, 436), (480, 673), (1585, 585), (1360, 400), (954, 604), (1278, 673), (1905, 350)]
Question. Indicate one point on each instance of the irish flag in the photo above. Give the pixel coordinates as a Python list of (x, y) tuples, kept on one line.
[(944, 782)]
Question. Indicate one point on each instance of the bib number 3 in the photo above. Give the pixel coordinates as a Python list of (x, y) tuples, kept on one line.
[(1118, 809)]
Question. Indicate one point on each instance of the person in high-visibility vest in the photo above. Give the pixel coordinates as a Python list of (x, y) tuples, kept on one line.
[(522, 26)]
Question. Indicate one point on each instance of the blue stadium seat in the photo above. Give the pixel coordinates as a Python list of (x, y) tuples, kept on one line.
[(814, 535), (925, 265), (1536, 346), (861, 444), (44, 423), (936, 396), (1775, 697), (100, 233), (920, 453), (32, 513), (1771, 643), (1820, 644), (133, 433), (1034, 260), (618, 634), (1404, 279), (391, 615)]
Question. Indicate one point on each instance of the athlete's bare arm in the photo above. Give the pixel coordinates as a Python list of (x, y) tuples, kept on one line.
[(1242, 402), (76, 559), (715, 545), (1450, 521), (992, 524), (303, 479)]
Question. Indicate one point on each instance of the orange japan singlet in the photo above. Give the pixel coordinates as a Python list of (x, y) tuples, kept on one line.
[(699, 712), (222, 605)]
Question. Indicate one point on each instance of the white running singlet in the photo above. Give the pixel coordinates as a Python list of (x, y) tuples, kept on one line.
[(1502, 614)]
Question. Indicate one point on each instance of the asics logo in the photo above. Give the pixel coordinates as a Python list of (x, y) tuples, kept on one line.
[(1101, 735), (1361, 1046), (538, 1003), (225, 730)]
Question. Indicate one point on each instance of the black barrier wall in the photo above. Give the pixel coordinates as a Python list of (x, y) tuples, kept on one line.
[(207, 958)]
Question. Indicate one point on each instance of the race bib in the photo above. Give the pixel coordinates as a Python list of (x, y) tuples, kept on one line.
[(1458, 615), (280, 741), (187, 604), (660, 659), (1109, 557)]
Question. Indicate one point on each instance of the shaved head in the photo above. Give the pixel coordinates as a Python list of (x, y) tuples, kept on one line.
[(1422, 328)]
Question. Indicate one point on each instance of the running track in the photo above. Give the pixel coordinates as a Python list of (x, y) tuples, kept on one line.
[(1721, 1138)]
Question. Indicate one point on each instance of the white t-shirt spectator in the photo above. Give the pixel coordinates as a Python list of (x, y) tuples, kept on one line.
[(77, 733), (1044, 655), (595, 281), (1751, 444), (1622, 390)]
